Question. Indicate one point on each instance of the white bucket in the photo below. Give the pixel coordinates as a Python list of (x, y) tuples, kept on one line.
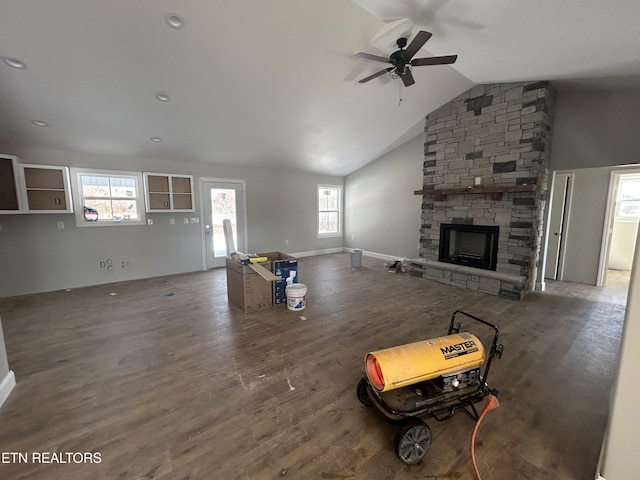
[(296, 296)]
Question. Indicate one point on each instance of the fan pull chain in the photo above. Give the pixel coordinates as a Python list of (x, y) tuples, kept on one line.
[(400, 94)]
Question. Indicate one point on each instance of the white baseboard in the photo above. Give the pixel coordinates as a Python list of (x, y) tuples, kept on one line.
[(600, 477), (6, 386), (311, 253), (382, 256)]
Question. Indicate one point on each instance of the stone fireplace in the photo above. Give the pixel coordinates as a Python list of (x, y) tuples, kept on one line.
[(486, 172)]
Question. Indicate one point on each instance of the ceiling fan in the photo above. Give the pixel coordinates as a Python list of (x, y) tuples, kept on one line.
[(402, 60)]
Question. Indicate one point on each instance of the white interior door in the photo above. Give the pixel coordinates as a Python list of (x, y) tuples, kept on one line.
[(560, 200), (222, 200)]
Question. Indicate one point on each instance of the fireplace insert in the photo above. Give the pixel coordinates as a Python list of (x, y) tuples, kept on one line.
[(470, 245)]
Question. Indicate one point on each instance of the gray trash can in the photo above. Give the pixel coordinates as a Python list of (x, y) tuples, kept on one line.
[(356, 257)]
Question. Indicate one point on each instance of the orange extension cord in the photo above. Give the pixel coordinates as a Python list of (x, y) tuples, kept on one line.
[(492, 402)]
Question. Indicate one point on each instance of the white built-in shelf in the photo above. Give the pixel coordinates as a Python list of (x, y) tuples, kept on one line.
[(168, 192)]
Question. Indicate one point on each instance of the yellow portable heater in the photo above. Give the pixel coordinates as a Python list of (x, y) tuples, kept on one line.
[(429, 378)]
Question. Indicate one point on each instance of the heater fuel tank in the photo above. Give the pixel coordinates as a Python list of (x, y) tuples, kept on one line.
[(404, 365)]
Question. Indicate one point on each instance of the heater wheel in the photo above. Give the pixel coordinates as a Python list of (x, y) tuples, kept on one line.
[(412, 441), (363, 394)]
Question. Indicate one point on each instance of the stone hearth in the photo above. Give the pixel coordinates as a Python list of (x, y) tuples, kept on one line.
[(488, 150)]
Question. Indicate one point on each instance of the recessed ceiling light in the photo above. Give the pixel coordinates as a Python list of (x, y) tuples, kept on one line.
[(163, 97), (40, 123), (156, 139), (15, 63), (174, 20)]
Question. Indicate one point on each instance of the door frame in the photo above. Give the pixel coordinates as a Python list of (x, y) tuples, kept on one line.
[(243, 186), (609, 217)]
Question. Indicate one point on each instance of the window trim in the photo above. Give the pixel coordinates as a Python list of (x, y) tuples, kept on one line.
[(340, 210), (78, 198)]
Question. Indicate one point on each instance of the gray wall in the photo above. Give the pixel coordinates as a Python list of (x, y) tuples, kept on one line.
[(36, 256), (595, 129), (382, 215)]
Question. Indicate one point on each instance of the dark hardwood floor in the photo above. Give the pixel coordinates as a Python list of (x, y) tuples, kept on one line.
[(165, 380)]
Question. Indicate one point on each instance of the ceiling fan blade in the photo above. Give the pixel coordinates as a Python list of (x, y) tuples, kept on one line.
[(407, 79), (416, 44), (377, 58), (377, 74), (444, 60)]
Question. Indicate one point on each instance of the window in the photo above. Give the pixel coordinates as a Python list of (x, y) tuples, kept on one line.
[(104, 197), (329, 210), (628, 201)]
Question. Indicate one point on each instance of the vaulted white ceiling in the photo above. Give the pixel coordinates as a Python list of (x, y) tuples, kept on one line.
[(275, 83)]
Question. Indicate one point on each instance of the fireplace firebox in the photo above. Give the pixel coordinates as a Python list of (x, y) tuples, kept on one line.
[(469, 245)]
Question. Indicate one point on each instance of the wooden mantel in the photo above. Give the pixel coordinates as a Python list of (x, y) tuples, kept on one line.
[(495, 191)]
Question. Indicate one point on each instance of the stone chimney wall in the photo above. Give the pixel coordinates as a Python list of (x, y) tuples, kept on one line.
[(500, 135)]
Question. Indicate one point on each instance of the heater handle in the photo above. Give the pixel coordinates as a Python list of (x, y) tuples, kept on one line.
[(496, 350), (453, 327)]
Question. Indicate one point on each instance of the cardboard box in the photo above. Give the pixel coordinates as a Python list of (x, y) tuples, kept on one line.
[(284, 266), (246, 289)]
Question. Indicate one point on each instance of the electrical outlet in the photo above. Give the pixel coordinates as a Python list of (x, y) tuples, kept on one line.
[(103, 264), (477, 181), (172, 221), (60, 225), (286, 242), (149, 221), (185, 221), (353, 237)]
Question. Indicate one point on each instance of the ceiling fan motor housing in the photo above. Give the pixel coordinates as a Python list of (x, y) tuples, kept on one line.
[(398, 60)]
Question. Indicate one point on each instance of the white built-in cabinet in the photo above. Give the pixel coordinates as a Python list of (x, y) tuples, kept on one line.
[(27, 188), (46, 189), (168, 192), (10, 195)]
